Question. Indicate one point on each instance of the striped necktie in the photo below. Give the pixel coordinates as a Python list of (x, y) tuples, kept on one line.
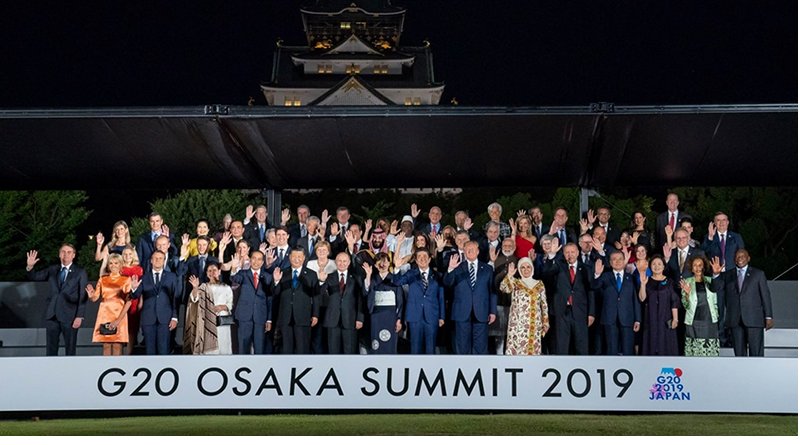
[(472, 275)]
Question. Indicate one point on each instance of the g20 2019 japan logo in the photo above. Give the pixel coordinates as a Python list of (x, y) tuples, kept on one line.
[(669, 385)]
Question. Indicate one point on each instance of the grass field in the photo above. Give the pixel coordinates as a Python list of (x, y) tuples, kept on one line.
[(413, 424)]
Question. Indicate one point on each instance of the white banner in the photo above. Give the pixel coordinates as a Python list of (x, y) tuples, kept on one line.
[(756, 385)]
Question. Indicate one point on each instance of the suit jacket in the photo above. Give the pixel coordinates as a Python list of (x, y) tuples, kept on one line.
[(296, 306), (230, 249), (423, 304), (253, 235), (583, 303), (613, 234), (753, 304), (572, 237), (623, 304), (673, 267), (280, 264), (483, 249), (480, 300), (427, 229), (254, 303), (661, 221), (733, 242), (145, 247), (500, 272), (348, 305), (64, 302), (159, 303), (304, 243), (192, 267)]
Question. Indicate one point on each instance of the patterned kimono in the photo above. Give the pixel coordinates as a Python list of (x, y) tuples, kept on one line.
[(527, 319)]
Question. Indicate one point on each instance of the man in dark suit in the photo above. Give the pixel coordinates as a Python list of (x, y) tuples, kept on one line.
[(196, 265), (434, 224), (253, 309), (621, 313), (308, 241), (679, 259), (297, 291), (280, 254), (670, 218), (603, 220), (342, 224), (538, 227), (299, 230), (145, 245), (474, 300), (490, 242), (721, 242), (345, 295), (573, 309), (237, 234), (65, 303), (160, 296), (559, 228), (424, 310), (748, 303), (256, 226)]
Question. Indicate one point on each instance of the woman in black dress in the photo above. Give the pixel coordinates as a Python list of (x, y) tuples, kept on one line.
[(660, 311)]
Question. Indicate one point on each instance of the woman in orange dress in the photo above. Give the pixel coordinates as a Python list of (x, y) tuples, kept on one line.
[(115, 291)]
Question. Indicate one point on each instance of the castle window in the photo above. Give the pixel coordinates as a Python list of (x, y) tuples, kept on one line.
[(407, 102), (320, 69), (344, 25), (417, 101)]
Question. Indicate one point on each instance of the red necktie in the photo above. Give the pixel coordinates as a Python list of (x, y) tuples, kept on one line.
[(341, 283), (255, 280), (672, 220), (571, 281)]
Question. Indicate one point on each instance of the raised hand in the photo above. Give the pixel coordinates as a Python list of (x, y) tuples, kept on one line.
[(99, 238), (597, 245), (269, 256), (165, 230), (350, 238), (512, 269), (134, 282), (367, 226), (669, 231), (716, 265), (322, 275), (90, 290), (185, 239), (32, 259), (555, 246), (645, 279), (667, 250), (712, 229), (493, 254), (454, 261), (591, 217), (194, 281), (532, 255), (367, 270), (399, 239), (685, 288), (285, 216), (598, 267), (635, 237), (627, 255), (325, 217), (521, 213), (468, 223), (439, 242), (513, 226), (249, 213), (393, 228), (277, 274), (263, 249), (414, 211), (225, 240), (584, 225)]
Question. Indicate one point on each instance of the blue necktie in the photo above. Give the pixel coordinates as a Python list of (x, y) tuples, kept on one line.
[(562, 237), (619, 281), (261, 232), (62, 277), (294, 279)]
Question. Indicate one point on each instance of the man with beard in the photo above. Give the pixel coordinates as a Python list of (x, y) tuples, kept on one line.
[(377, 244), (500, 261)]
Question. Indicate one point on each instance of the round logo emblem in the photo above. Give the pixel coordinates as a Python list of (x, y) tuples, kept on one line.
[(384, 335), (375, 345)]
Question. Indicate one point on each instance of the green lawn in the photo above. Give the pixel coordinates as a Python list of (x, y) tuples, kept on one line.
[(414, 424)]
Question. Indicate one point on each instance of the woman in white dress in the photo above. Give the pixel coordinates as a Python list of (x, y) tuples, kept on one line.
[(210, 300)]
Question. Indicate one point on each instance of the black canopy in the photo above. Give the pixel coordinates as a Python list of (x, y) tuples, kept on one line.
[(311, 147)]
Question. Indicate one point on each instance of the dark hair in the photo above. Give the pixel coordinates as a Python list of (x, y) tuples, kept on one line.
[(204, 237), (205, 220)]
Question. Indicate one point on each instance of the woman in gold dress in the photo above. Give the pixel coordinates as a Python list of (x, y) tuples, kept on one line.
[(115, 291), (527, 319)]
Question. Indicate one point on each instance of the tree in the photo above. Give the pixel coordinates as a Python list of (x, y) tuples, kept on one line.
[(41, 220)]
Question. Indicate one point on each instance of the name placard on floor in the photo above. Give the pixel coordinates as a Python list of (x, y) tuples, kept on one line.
[(756, 385)]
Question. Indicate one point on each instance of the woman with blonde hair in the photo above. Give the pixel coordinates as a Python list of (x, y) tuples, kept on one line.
[(120, 238), (114, 290)]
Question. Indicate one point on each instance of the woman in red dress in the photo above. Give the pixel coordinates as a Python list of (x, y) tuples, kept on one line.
[(131, 268), (523, 235)]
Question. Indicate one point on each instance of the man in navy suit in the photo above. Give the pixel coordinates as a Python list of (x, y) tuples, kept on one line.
[(196, 265), (308, 241), (679, 259), (253, 310), (299, 230), (425, 305), (434, 224), (145, 245), (621, 312), (538, 227), (345, 295), (573, 307), (559, 228), (66, 301), (721, 242), (256, 225), (670, 218), (297, 291), (474, 300), (160, 294), (491, 242), (280, 254), (749, 304)]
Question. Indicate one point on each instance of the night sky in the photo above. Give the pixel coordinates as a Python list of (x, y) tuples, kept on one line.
[(504, 53)]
